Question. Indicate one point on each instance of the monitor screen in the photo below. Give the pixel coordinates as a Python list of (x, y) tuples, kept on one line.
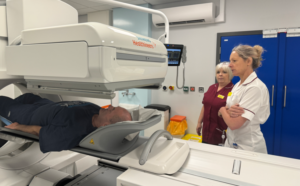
[(174, 54)]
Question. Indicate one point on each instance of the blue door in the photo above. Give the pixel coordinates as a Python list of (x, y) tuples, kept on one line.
[(267, 73), (290, 128)]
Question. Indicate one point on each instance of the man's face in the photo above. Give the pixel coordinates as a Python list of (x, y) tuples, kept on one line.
[(113, 114), (112, 111)]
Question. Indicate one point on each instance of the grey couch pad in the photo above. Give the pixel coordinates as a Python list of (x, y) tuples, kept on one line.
[(111, 139)]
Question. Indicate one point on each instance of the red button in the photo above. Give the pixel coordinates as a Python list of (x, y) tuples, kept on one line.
[(171, 87)]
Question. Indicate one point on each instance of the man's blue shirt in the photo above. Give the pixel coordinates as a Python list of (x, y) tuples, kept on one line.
[(64, 124)]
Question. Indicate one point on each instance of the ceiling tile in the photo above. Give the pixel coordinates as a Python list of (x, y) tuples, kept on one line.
[(88, 3), (137, 2), (104, 3), (75, 5), (85, 11), (158, 2), (83, 4), (124, 1), (104, 7)]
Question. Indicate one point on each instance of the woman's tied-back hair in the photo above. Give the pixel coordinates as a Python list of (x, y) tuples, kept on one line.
[(246, 51), (226, 68)]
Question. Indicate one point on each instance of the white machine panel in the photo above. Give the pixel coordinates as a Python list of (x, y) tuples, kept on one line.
[(3, 44), (48, 178), (134, 177), (210, 165), (16, 162), (3, 23), (48, 60), (29, 14), (4, 78), (217, 163), (166, 157), (95, 34), (162, 125), (15, 178), (75, 61)]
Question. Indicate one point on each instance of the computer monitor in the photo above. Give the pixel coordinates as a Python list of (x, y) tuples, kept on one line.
[(174, 54)]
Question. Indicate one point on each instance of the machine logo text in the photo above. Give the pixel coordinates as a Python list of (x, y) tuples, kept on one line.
[(142, 44)]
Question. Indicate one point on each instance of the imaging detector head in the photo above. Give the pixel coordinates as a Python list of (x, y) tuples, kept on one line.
[(88, 59)]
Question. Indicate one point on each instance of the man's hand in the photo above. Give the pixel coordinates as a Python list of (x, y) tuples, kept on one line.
[(198, 129), (32, 129), (14, 125), (235, 111)]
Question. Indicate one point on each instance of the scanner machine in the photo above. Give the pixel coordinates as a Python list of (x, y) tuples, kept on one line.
[(45, 51), (88, 59)]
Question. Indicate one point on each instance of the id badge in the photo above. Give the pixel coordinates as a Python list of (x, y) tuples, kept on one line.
[(235, 146), (221, 96), (228, 101)]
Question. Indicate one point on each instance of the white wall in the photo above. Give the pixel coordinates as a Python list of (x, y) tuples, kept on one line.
[(82, 18), (8, 91), (201, 43), (104, 17)]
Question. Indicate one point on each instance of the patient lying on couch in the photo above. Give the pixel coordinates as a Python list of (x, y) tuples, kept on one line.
[(59, 125)]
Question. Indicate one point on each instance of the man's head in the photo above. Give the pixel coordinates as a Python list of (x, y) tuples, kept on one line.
[(112, 115)]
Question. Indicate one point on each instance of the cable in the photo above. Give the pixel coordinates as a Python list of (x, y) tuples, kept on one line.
[(162, 36), (183, 77), (184, 59)]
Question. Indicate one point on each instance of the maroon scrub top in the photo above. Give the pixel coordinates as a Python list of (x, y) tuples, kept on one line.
[(212, 102)]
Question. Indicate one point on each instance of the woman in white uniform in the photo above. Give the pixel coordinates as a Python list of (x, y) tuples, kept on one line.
[(251, 94)]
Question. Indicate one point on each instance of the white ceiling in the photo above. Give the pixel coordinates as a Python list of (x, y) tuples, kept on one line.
[(86, 6)]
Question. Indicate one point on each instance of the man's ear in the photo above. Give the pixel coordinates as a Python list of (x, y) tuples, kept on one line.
[(105, 123)]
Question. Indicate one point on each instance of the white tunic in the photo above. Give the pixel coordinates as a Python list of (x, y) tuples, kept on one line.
[(253, 96)]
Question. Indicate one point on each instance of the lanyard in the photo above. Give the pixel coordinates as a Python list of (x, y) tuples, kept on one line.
[(223, 135)]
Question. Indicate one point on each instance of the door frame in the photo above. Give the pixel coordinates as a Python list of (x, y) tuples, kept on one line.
[(239, 33)]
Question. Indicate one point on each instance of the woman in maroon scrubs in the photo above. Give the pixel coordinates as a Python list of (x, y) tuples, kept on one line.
[(213, 100)]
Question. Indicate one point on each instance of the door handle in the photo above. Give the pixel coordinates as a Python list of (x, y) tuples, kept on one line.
[(284, 103), (272, 95)]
